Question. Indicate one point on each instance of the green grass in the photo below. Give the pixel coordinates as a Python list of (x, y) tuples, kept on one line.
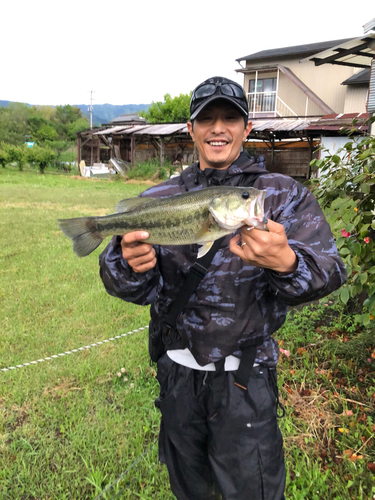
[(71, 426)]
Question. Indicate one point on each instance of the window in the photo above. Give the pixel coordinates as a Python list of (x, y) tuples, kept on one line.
[(263, 85), (263, 98)]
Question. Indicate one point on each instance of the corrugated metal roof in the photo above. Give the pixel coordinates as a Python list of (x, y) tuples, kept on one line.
[(279, 125), (111, 130), (311, 48), (340, 121), (168, 129), (162, 129), (132, 129)]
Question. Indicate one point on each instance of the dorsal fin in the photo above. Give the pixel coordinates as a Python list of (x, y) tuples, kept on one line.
[(130, 203)]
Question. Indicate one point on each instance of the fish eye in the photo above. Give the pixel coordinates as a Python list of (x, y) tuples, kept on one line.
[(245, 195)]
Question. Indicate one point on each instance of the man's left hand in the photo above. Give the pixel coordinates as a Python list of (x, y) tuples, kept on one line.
[(268, 249)]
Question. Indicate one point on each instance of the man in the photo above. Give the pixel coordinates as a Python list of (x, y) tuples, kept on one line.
[(219, 436)]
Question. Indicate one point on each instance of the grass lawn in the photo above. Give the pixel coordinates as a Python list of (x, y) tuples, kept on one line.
[(71, 426)]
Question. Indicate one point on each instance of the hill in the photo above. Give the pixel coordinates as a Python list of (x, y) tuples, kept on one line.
[(102, 113)]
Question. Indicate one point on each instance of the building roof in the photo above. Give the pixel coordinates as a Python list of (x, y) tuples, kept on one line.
[(302, 50), (340, 122), (128, 117), (356, 52), (363, 77), (157, 129)]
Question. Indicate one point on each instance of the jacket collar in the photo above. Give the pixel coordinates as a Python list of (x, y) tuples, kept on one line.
[(195, 178)]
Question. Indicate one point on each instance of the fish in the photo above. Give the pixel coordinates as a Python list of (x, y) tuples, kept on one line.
[(195, 217)]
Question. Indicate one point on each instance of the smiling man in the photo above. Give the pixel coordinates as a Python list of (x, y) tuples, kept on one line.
[(219, 435)]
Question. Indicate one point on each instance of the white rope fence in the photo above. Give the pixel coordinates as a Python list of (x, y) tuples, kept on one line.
[(54, 356)]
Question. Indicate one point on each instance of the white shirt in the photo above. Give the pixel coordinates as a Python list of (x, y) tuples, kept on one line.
[(185, 358)]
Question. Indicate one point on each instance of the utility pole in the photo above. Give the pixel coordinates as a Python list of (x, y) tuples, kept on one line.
[(90, 108)]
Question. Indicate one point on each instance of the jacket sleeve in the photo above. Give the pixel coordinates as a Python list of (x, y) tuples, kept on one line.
[(320, 269), (121, 281)]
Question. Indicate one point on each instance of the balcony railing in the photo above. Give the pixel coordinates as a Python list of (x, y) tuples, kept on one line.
[(267, 104)]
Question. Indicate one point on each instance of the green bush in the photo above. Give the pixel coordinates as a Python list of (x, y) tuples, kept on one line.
[(16, 155), (151, 170), (3, 155), (41, 157), (346, 192)]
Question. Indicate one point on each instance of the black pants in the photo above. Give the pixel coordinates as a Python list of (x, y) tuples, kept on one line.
[(218, 439)]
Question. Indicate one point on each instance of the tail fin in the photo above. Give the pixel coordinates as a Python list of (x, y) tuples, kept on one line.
[(83, 233)]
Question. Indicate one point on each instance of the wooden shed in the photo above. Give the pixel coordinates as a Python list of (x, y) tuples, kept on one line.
[(284, 143)]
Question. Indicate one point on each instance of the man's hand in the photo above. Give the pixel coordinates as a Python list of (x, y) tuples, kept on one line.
[(268, 249), (141, 257)]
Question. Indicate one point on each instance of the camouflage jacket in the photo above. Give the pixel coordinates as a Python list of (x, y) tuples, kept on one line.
[(235, 303)]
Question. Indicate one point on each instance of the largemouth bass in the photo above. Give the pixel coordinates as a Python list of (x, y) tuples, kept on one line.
[(201, 217)]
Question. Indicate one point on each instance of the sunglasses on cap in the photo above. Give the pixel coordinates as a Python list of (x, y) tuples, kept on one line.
[(227, 89)]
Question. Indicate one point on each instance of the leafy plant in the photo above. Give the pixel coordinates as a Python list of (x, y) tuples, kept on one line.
[(3, 155), (172, 109), (41, 157), (17, 155), (345, 190)]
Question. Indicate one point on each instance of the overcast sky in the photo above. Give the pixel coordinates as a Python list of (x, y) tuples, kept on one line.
[(133, 52)]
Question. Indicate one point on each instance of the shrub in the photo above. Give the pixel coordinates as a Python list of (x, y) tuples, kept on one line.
[(17, 155), (346, 193), (3, 155), (151, 170), (41, 157)]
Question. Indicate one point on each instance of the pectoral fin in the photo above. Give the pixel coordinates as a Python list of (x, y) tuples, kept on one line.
[(130, 203), (204, 249)]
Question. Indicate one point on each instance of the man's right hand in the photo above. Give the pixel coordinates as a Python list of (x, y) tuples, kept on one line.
[(141, 257)]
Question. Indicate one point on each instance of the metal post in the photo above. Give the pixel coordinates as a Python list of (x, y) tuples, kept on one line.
[(90, 108)]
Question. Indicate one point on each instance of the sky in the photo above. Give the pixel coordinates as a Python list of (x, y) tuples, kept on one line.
[(134, 52)]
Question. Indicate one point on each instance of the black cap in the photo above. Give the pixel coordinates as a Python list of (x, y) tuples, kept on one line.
[(215, 88)]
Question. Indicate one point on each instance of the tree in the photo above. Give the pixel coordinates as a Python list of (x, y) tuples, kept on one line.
[(172, 109), (3, 155), (46, 132), (41, 157), (346, 193), (67, 114), (13, 123), (17, 155), (77, 126)]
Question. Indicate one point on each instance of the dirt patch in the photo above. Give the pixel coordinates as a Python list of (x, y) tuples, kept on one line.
[(62, 390), (311, 409)]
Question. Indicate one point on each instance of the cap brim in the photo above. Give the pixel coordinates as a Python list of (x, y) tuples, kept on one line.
[(212, 98)]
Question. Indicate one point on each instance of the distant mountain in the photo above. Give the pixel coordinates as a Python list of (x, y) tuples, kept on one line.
[(5, 104), (102, 113)]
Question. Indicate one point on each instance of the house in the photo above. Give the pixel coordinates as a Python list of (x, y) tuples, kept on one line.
[(129, 119), (303, 96), (286, 82)]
